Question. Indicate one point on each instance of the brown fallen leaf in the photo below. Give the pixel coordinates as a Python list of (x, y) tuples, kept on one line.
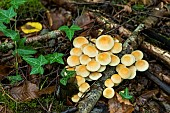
[(4, 109), (25, 92), (47, 90), (121, 100), (115, 106), (5, 70)]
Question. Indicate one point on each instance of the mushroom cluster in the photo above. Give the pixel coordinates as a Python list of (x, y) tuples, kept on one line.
[(89, 59)]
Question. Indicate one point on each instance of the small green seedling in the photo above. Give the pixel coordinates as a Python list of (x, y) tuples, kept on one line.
[(66, 76), (70, 31), (125, 94), (14, 79)]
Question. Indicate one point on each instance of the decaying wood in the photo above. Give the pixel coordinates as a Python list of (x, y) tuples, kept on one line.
[(49, 35), (158, 53), (87, 104), (160, 71)]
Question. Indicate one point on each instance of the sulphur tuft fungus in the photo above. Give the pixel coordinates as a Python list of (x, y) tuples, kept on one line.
[(75, 98), (103, 58), (80, 80), (84, 59), (133, 72), (93, 66), (108, 83), (137, 54), (90, 50), (115, 60), (73, 60), (84, 87), (117, 48), (116, 78), (124, 73), (95, 75), (104, 42), (141, 65), (108, 93), (128, 59), (76, 51), (79, 41), (82, 71)]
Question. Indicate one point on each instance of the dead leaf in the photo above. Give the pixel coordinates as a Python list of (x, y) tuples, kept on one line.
[(31, 27), (5, 70), (47, 90), (116, 107), (95, 1), (25, 92), (4, 109), (121, 100)]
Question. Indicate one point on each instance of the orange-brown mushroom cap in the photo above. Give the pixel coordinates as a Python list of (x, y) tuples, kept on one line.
[(108, 93), (104, 42), (76, 51), (119, 66), (73, 60), (115, 60), (82, 71), (116, 78), (133, 72), (117, 48), (95, 75), (128, 59), (80, 80), (142, 65), (124, 73), (79, 41), (108, 83), (75, 98), (103, 58), (93, 66), (137, 54), (84, 87), (84, 59), (90, 50)]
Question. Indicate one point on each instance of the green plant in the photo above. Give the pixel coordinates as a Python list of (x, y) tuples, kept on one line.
[(70, 31), (66, 76), (125, 94)]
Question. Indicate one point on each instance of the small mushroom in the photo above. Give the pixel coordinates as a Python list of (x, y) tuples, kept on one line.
[(79, 41), (117, 48), (108, 93), (73, 60), (119, 66), (93, 66), (90, 50), (82, 71), (104, 42), (95, 75), (83, 87), (103, 58), (108, 83), (128, 59), (76, 51), (141, 65), (75, 98), (116, 78), (84, 59), (124, 73), (102, 68), (137, 54), (80, 80), (133, 72), (115, 60)]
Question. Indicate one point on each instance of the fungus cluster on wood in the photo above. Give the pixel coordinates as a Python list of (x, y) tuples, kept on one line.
[(89, 59)]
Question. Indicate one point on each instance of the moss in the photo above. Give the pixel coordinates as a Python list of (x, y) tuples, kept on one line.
[(30, 9)]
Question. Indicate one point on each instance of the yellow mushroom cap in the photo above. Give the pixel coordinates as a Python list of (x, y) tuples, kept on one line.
[(102, 68), (124, 73), (133, 72), (80, 80), (75, 98), (73, 60), (117, 48), (119, 66), (84, 59), (80, 94), (93, 40), (108, 93), (76, 51), (103, 58), (137, 54), (104, 42), (79, 41), (83, 87), (90, 50), (128, 59), (116, 78), (82, 71), (115, 60), (95, 75), (109, 83), (84, 45), (141, 65), (93, 66)]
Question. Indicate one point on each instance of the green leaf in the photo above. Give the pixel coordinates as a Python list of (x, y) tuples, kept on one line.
[(36, 70), (12, 34), (21, 42), (63, 81), (125, 94), (2, 26), (14, 79), (75, 28), (70, 31), (55, 57), (6, 15), (17, 3), (36, 62), (63, 28), (138, 7), (26, 51)]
